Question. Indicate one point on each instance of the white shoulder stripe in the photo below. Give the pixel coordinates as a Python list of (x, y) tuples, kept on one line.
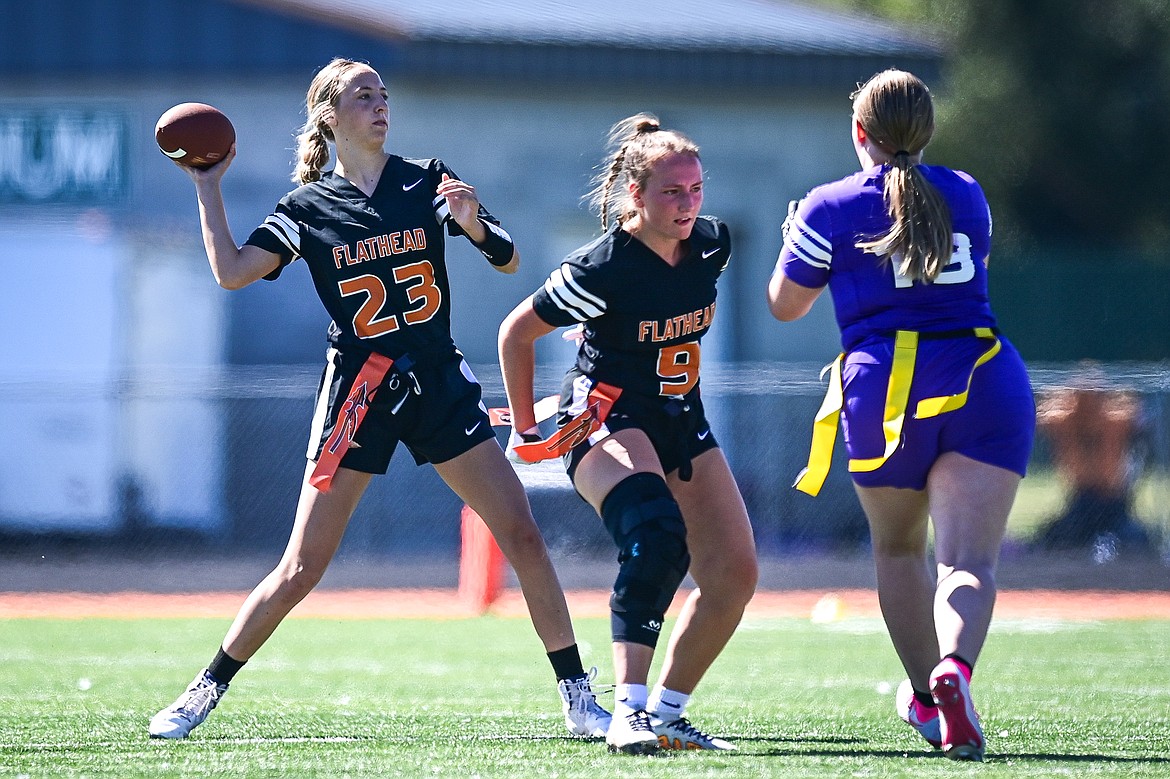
[(286, 231), (807, 244), (811, 255), (813, 235), (567, 273), (287, 221), (556, 295), (571, 297)]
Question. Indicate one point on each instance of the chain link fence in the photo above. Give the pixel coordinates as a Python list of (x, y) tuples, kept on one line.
[(217, 456)]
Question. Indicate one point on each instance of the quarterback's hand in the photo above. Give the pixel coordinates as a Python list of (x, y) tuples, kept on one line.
[(464, 205)]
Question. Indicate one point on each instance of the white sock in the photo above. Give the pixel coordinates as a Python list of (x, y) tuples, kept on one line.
[(667, 704), (630, 696)]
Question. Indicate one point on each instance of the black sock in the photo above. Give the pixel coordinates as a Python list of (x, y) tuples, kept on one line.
[(566, 663), (224, 667), (925, 698), (969, 666)]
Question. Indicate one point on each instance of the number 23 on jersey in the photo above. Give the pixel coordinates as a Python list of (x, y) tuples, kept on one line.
[(421, 291)]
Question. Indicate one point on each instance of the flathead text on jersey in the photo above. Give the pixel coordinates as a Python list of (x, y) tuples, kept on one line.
[(380, 246), (676, 327)]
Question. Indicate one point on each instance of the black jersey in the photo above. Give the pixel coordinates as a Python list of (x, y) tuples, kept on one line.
[(378, 262), (643, 318)]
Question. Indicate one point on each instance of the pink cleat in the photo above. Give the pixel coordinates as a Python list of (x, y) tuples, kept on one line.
[(962, 738)]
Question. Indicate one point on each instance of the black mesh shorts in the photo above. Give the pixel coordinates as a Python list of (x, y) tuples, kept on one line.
[(677, 427), (436, 411)]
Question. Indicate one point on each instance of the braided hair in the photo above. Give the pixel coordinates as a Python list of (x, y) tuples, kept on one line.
[(320, 103), (635, 144)]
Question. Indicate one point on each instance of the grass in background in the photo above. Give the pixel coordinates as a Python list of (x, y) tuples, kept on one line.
[(475, 698), (1043, 496)]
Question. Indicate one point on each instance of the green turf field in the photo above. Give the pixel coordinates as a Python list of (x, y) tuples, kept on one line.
[(1043, 495), (474, 698)]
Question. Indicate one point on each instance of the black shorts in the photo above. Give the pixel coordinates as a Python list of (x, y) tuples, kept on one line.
[(437, 414), (677, 427)]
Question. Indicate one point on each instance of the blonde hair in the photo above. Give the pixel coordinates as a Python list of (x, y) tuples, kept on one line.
[(320, 102), (897, 113), (635, 144)]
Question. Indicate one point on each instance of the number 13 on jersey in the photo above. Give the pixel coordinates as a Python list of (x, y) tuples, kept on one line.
[(959, 270)]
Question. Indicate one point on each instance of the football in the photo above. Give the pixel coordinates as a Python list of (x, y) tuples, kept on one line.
[(195, 134)]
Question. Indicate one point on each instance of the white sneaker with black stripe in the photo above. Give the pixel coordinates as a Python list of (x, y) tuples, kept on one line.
[(681, 734), (190, 709), (630, 732), (583, 715)]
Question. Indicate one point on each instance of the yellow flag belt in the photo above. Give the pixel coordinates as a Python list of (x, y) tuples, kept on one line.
[(812, 478)]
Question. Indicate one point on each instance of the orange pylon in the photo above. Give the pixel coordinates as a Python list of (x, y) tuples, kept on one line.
[(481, 564)]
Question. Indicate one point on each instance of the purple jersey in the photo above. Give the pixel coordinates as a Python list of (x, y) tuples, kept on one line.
[(872, 300), (870, 297)]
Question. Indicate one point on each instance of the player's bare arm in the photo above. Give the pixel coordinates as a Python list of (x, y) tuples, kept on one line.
[(788, 300), (233, 266), (518, 332)]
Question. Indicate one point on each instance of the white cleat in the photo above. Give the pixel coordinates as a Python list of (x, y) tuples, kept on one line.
[(583, 715), (631, 733), (923, 719), (681, 734), (191, 708)]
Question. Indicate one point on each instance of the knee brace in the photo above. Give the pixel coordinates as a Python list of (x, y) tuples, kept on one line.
[(646, 524)]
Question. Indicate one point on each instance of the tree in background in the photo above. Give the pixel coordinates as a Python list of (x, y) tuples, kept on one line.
[(1061, 109)]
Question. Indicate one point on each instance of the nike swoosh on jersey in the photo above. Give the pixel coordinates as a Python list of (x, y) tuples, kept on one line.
[(709, 252), (408, 187), (472, 429), (703, 435)]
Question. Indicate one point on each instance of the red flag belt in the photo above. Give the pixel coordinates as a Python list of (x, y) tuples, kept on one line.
[(579, 428), (352, 412)]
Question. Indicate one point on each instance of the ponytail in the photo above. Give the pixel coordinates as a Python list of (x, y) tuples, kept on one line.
[(635, 144), (312, 153), (602, 197), (320, 102), (896, 111), (921, 235)]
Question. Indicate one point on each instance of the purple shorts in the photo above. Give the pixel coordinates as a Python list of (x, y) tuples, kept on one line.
[(995, 426)]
